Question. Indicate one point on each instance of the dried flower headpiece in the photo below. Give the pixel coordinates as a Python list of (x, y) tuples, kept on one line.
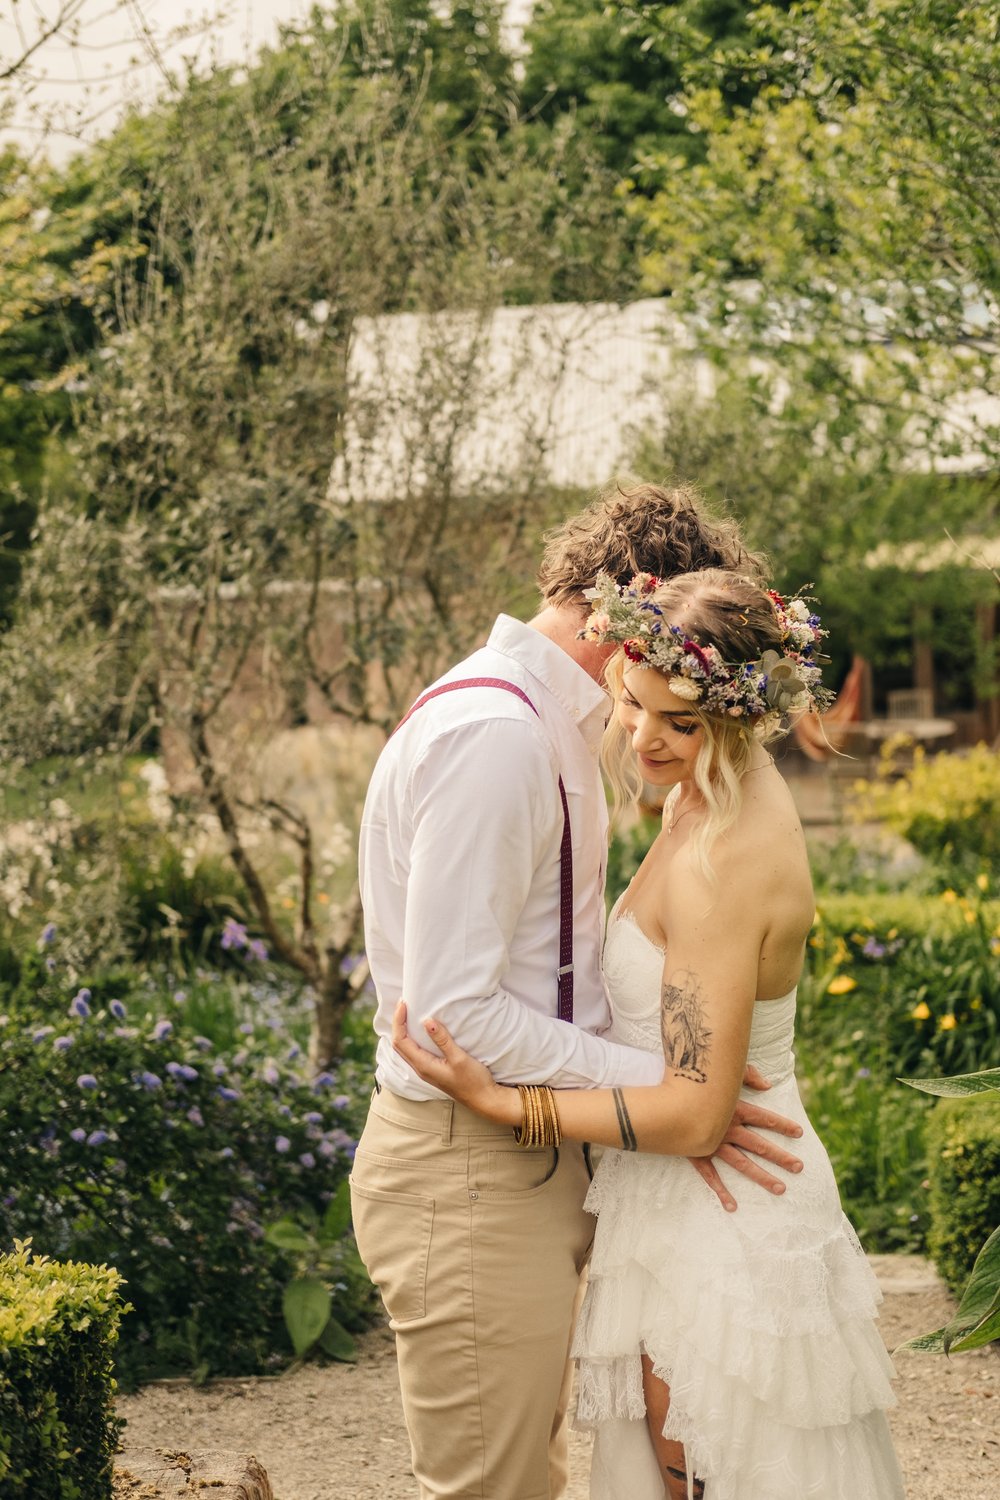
[(773, 685)]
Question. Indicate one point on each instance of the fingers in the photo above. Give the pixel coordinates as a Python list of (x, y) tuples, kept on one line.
[(765, 1119), (705, 1167), (753, 1078), (759, 1145), (749, 1168), (418, 1057)]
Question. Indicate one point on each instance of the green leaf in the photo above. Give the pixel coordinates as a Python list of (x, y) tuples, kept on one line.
[(287, 1235), (979, 1310), (338, 1343), (337, 1219), (306, 1305), (977, 1321), (959, 1086)]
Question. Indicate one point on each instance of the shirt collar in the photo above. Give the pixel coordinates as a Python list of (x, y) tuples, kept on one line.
[(576, 692)]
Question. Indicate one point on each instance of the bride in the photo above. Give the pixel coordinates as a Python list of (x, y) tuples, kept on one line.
[(730, 1356)]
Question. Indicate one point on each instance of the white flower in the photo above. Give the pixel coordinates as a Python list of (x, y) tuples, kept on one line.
[(797, 610), (684, 688)]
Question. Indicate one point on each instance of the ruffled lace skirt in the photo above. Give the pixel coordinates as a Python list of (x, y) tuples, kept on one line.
[(760, 1321)]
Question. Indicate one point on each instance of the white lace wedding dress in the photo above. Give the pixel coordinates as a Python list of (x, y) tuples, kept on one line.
[(760, 1321)]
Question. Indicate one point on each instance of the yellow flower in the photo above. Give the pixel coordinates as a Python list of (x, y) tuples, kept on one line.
[(947, 1023), (921, 1012), (983, 882), (288, 903), (970, 917), (323, 898), (842, 985), (976, 1003), (949, 896)]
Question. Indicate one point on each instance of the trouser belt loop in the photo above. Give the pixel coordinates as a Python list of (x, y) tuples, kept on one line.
[(447, 1122)]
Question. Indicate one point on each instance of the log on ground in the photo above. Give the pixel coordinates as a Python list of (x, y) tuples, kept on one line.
[(160, 1474)]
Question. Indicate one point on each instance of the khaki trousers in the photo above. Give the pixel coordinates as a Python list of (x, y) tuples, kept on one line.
[(476, 1247)]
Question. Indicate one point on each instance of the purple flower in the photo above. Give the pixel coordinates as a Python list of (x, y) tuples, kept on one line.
[(234, 935), (294, 1051), (246, 1027), (180, 996), (224, 1093), (326, 1148), (203, 1044), (42, 1033), (341, 1101), (97, 1137), (227, 1152), (313, 1117), (78, 1134), (63, 1043), (183, 1071), (78, 1006), (195, 1115), (50, 964), (282, 1144), (863, 1073), (873, 948), (86, 1081), (307, 1159), (258, 950), (117, 1009), (219, 1069), (150, 1081), (48, 934), (162, 1030), (269, 1073), (323, 1081)]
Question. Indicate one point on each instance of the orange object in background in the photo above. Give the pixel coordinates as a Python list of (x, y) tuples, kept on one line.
[(821, 735)]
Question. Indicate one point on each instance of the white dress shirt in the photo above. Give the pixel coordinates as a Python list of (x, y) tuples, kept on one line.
[(459, 866)]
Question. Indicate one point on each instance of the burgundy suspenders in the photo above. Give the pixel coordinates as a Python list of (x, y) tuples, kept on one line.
[(564, 973)]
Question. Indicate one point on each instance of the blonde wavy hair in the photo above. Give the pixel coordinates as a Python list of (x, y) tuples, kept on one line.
[(734, 614)]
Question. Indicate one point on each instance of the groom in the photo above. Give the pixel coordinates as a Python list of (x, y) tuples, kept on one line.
[(482, 875)]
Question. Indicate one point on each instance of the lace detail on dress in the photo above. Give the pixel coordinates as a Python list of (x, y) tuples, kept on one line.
[(760, 1321)]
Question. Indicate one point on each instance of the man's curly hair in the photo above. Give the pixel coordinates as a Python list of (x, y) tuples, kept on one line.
[(640, 528)]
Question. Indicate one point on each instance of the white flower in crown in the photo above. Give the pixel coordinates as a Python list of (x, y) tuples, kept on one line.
[(684, 688), (797, 609)]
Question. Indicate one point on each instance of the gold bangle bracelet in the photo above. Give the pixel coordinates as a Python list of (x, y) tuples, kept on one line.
[(539, 1117)]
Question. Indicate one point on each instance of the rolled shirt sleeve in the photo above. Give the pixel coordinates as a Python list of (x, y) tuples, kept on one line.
[(486, 819)]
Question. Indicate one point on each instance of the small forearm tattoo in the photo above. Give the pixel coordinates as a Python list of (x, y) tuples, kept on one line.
[(685, 1035), (624, 1122)]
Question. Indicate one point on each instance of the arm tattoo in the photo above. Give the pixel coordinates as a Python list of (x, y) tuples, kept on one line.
[(682, 1025), (624, 1123)]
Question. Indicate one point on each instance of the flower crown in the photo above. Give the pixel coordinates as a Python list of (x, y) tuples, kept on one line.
[(773, 685)]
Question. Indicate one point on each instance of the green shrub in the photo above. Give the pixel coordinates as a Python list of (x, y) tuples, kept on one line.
[(916, 978), (133, 1139), (963, 1142), (58, 1327), (946, 806)]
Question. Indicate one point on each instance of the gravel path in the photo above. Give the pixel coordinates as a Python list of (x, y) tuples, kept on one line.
[(336, 1432)]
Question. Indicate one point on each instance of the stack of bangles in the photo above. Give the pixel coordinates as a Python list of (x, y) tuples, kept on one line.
[(539, 1121)]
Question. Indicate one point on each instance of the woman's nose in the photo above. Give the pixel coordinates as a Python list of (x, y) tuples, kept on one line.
[(646, 734)]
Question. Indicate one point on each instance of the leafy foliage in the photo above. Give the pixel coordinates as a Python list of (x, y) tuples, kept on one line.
[(946, 806), (58, 1329), (131, 1139), (964, 1152)]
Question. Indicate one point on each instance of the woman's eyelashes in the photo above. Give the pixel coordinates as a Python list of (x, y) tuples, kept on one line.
[(679, 726)]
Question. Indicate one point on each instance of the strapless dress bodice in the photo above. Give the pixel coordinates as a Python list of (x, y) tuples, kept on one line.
[(633, 971)]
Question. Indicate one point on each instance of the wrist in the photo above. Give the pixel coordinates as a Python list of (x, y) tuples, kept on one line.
[(506, 1105)]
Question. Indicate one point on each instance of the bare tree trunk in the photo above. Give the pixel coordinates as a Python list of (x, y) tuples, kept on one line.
[(334, 998)]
